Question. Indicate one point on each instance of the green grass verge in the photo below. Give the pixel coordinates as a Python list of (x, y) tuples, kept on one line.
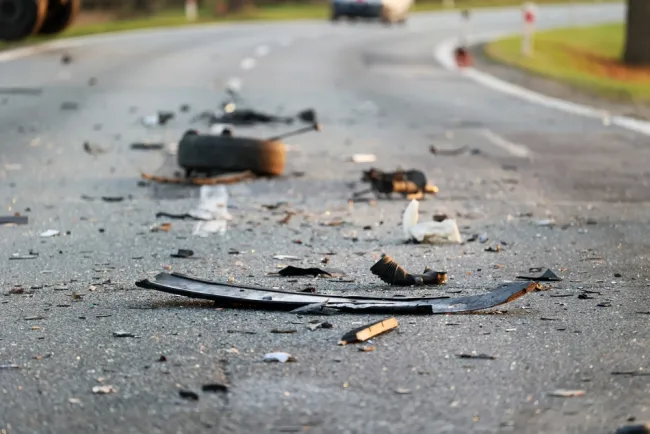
[(584, 57), (288, 11)]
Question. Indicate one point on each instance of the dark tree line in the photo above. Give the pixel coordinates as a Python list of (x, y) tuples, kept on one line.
[(637, 40)]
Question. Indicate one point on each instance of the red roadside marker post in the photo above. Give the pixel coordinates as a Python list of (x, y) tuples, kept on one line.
[(530, 18), (463, 58)]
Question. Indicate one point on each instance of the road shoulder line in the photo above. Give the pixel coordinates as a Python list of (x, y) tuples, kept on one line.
[(444, 54)]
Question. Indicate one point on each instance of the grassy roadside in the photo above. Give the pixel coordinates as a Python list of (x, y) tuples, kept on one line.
[(176, 18), (584, 57)]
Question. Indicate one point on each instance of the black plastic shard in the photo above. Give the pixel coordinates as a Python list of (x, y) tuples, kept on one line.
[(546, 276), (259, 297)]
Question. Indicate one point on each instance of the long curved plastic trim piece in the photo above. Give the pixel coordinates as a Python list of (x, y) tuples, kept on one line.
[(258, 297)]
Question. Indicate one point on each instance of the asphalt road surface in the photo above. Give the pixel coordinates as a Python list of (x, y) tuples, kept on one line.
[(377, 90)]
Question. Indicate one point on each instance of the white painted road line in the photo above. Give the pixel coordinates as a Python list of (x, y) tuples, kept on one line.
[(444, 54), (513, 148), (248, 63)]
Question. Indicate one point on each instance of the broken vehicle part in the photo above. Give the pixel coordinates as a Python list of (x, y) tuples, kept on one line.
[(60, 15), (363, 333), (208, 153), (411, 184), (391, 272), (251, 296), (13, 220), (312, 127), (430, 232), (546, 276)]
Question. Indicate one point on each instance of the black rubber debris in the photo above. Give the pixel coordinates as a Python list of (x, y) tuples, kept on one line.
[(227, 294), (214, 387), (297, 271), (140, 146), (188, 394), (183, 253), (13, 220), (546, 276)]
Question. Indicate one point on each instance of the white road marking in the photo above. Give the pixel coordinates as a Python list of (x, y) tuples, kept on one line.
[(248, 63), (262, 50), (444, 54), (513, 148)]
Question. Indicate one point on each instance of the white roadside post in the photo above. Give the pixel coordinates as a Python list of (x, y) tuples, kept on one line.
[(530, 16), (464, 28), (191, 10)]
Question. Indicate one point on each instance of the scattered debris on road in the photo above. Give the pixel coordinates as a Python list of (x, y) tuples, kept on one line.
[(363, 158), (188, 394), (9, 366), (104, 390), (183, 253), (160, 118), (13, 220), (49, 233), (279, 358), (214, 388), (146, 146), (566, 393), (162, 227), (363, 333), (16, 256), (212, 211), (250, 296), (546, 276), (391, 272), (297, 271), (476, 356), (431, 232), (123, 334), (411, 184), (643, 428), (93, 149)]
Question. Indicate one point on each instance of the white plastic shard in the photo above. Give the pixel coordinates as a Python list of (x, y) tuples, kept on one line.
[(444, 232), (430, 232), (410, 217), (212, 210)]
